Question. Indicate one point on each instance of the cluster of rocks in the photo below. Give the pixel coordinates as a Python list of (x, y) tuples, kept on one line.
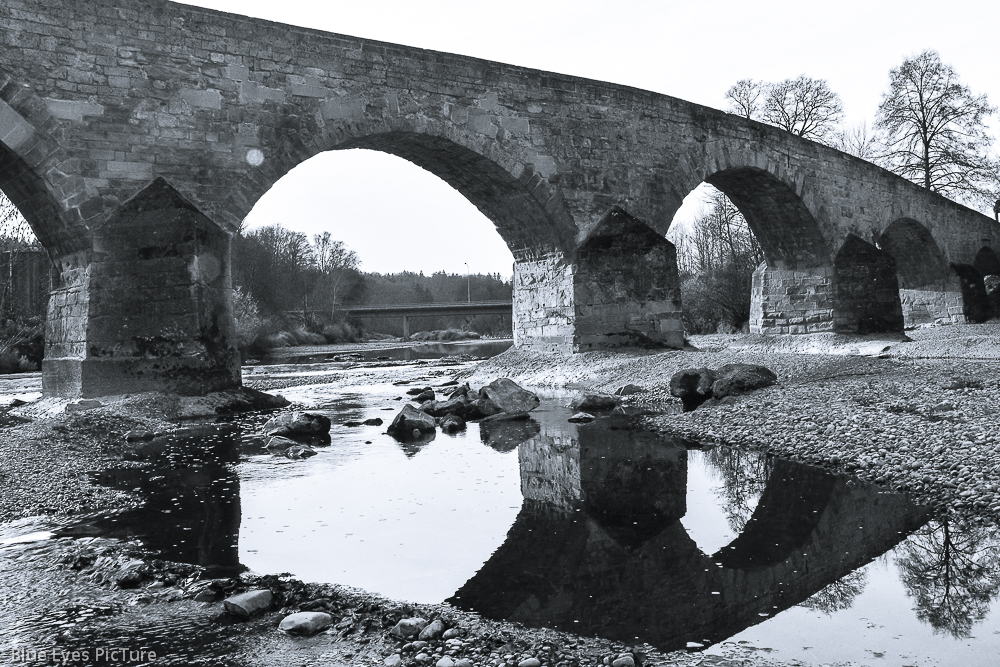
[(501, 399), (696, 386), (293, 434)]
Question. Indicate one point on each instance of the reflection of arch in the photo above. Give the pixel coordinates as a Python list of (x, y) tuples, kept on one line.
[(787, 232), (866, 288), (528, 215), (568, 567)]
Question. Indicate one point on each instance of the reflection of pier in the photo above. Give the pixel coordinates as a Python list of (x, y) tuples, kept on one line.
[(406, 311), (598, 547)]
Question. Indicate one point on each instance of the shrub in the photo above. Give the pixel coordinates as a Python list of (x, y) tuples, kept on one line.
[(341, 332), (445, 335)]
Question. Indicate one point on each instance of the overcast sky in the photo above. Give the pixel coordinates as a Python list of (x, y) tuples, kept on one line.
[(398, 217)]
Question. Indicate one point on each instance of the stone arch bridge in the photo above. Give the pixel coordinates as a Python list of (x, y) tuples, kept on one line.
[(135, 135)]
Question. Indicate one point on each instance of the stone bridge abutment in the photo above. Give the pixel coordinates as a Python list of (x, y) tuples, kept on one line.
[(135, 135)]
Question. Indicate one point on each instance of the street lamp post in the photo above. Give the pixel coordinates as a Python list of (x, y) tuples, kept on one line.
[(468, 284)]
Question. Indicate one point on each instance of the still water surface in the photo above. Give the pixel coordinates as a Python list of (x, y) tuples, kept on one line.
[(602, 529)]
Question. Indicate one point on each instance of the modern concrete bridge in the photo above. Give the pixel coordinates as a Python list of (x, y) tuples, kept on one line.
[(135, 135)]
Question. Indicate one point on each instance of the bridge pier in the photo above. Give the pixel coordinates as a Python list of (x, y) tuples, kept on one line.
[(791, 301), (151, 311)]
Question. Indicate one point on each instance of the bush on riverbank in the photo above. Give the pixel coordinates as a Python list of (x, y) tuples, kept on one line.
[(21, 346)]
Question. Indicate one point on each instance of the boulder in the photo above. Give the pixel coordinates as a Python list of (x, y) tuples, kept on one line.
[(408, 420), (482, 407), (425, 395), (452, 424), (394, 660), (416, 391), (247, 604), (453, 406), (305, 623), (629, 390), (735, 379), (452, 633), (432, 631), (595, 402), (279, 443), (460, 390), (408, 627), (509, 396), (300, 452), (292, 424), (373, 422), (693, 386), (582, 418)]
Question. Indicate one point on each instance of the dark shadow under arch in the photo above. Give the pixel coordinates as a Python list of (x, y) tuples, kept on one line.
[(920, 264), (786, 230), (987, 262), (867, 290)]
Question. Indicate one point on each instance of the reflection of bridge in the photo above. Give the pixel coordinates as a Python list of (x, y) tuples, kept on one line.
[(598, 547), (408, 310)]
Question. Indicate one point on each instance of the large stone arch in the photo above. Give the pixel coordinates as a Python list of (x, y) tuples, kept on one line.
[(929, 289), (792, 289)]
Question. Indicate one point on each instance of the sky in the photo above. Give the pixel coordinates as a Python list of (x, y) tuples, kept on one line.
[(398, 217)]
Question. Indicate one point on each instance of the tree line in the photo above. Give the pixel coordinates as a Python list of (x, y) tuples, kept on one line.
[(929, 128)]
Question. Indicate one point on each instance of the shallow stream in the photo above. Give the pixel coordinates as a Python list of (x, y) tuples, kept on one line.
[(602, 529)]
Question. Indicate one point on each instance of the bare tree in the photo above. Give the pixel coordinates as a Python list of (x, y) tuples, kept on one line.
[(860, 141), (745, 98), (333, 260), (936, 131), (803, 106)]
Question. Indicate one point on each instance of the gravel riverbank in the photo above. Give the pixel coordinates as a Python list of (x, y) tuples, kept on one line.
[(909, 416)]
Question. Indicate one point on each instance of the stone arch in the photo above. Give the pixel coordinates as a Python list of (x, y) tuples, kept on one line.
[(526, 209), (785, 228), (39, 177), (867, 290), (929, 290), (988, 265)]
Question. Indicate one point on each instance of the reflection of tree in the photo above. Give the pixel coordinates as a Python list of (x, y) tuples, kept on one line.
[(952, 571), (840, 594), (744, 476)]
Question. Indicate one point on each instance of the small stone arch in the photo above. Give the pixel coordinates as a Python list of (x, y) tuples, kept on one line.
[(988, 265), (930, 292), (866, 289)]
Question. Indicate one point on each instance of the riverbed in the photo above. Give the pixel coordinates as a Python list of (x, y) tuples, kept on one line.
[(609, 529)]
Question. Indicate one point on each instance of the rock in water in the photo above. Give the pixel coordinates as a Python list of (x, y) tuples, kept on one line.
[(297, 424), (425, 395), (408, 627), (693, 386), (247, 604), (432, 631), (582, 418), (595, 402), (305, 623), (408, 420), (280, 444), (734, 379), (300, 452), (452, 424), (509, 397)]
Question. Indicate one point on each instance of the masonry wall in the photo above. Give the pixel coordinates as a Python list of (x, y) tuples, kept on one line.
[(786, 301)]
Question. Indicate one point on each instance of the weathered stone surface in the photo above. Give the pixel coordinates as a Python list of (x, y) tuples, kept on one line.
[(595, 402), (408, 627), (408, 420), (299, 452), (733, 379), (508, 396), (279, 443), (296, 424), (305, 623), (693, 386), (433, 631), (247, 604), (452, 424)]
